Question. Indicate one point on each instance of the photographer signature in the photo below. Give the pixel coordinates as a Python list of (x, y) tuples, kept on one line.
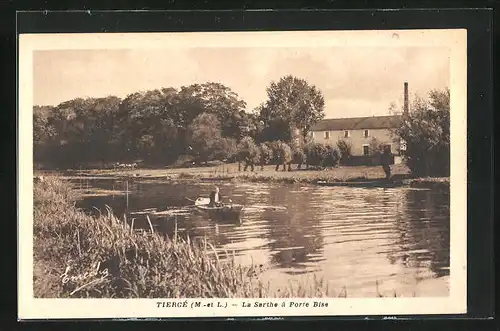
[(95, 273)]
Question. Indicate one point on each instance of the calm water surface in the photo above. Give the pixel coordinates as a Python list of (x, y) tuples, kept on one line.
[(351, 237)]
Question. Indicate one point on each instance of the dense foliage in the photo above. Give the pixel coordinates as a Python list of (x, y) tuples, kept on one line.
[(345, 149), (155, 126), (426, 133), (195, 124), (248, 151), (321, 155), (291, 103)]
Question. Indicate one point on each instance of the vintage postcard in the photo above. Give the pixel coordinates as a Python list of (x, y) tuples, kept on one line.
[(242, 174)]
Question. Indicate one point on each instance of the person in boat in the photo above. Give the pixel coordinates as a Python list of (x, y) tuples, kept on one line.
[(386, 163), (215, 198)]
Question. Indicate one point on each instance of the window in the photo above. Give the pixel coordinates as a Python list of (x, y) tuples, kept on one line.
[(366, 133), (366, 150), (327, 135), (346, 134), (388, 147), (402, 144)]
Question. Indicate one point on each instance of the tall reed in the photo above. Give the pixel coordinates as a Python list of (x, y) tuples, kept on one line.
[(121, 262), (84, 256)]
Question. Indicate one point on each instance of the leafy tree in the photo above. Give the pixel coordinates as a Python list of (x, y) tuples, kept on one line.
[(315, 154), (248, 152), (219, 100), (292, 102), (331, 156), (276, 129), (426, 132), (156, 125), (74, 123), (102, 142), (282, 154), (225, 149), (265, 154), (43, 133), (152, 113), (298, 156), (251, 126), (345, 149), (375, 147), (205, 136), (146, 145)]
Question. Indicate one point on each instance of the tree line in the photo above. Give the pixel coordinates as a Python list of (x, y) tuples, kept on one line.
[(205, 122), (196, 123)]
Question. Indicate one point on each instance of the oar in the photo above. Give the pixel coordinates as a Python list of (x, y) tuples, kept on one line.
[(190, 199)]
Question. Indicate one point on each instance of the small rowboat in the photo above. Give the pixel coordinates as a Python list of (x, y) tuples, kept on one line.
[(224, 211)]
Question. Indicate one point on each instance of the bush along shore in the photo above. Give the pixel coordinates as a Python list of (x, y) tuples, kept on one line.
[(81, 256)]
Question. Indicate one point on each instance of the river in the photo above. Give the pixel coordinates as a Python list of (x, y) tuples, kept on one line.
[(363, 241)]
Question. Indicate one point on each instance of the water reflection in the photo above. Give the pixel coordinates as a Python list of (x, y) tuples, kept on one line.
[(424, 232), (352, 237), (295, 236)]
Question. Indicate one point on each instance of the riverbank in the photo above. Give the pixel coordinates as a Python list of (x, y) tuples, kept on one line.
[(108, 258), (371, 175), (77, 255), (441, 183)]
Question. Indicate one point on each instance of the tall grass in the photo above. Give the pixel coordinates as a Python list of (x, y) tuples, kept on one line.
[(132, 263), (83, 256), (107, 258)]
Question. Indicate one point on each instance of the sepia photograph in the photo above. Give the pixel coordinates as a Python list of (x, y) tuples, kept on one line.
[(266, 170)]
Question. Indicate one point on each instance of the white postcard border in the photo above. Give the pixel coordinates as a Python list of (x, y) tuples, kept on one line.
[(455, 40)]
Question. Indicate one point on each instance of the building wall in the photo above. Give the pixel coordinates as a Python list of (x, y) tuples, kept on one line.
[(358, 140)]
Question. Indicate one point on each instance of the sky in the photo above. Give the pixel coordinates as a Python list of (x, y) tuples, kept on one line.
[(355, 81)]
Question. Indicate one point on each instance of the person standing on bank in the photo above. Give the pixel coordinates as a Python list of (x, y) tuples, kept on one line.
[(215, 197), (386, 163)]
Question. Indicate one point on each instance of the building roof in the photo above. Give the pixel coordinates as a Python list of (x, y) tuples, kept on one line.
[(357, 123)]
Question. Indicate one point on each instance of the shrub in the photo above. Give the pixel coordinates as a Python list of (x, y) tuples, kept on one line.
[(375, 147), (282, 153), (183, 161), (345, 149), (298, 156), (316, 153), (265, 154), (425, 131), (225, 148), (248, 151), (331, 156)]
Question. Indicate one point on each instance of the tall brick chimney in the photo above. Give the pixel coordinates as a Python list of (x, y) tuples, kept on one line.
[(405, 109)]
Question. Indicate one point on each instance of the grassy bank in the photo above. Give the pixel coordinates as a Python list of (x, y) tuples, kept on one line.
[(77, 255), (269, 174), (440, 183)]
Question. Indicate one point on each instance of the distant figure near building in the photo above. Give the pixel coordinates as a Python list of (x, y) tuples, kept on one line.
[(215, 197), (386, 163)]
